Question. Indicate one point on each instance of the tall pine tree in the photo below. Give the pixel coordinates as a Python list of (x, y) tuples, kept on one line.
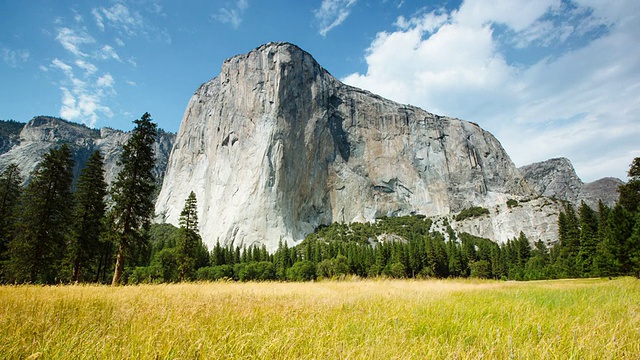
[(10, 190), (189, 241), (88, 217), (37, 251), (132, 192)]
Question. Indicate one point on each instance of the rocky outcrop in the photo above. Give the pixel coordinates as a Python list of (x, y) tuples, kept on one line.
[(605, 190), (43, 133), (557, 178), (275, 146)]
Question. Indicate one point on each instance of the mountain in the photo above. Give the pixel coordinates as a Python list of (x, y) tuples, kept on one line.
[(9, 134), (43, 133), (558, 179), (275, 146)]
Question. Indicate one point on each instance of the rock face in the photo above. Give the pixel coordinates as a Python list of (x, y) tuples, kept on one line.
[(558, 179), (43, 133), (605, 189), (275, 146)]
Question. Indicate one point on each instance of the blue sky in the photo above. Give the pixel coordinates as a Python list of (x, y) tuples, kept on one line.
[(548, 78)]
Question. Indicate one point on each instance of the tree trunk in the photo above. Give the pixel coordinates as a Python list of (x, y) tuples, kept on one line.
[(117, 273)]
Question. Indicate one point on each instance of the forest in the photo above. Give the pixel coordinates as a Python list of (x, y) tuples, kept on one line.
[(55, 230)]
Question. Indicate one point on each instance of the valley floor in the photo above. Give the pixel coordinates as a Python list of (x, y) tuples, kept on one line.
[(395, 319)]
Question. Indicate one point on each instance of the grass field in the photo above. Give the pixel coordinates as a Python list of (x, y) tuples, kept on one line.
[(463, 319)]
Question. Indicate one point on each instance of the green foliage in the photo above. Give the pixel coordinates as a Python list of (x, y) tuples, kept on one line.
[(42, 229), (475, 211), (88, 220), (511, 203), (255, 271), (10, 191), (213, 273), (304, 270), (189, 240), (132, 191)]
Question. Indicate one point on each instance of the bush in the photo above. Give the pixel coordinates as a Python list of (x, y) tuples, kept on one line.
[(331, 268), (471, 212), (214, 273), (145, 275), (304, 270), (258, 271), (511, 203)]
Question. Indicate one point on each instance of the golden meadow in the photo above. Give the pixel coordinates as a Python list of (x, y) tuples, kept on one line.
[(352, 319)]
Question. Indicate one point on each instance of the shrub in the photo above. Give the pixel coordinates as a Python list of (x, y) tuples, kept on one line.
[(213, 273), (304, 270), (471, 212), (511, 203)]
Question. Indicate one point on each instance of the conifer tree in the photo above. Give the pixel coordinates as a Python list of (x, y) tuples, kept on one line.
[(88, 216), (189, 240), (10, 190), (132, 191), (630, 192), (37, 251), (588, 240)]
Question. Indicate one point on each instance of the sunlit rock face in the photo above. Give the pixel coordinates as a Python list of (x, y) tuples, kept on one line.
[(558, 179), (275, 146), (43, 133)]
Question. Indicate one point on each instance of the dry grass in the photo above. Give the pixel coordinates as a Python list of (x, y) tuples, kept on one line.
[(464, 319)]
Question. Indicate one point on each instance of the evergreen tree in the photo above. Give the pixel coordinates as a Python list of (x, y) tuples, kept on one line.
[(630, 192), (88, 217), (189, 240), (588, 240), (10, 190), (37, 251), (132, 192), (634, 248)]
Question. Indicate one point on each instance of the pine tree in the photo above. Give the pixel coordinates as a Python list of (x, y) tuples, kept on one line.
[(630, 192), (10, 190), (37, 251), (88, 216), (588, 240), (133, 190), (634, 248), (189, 240)]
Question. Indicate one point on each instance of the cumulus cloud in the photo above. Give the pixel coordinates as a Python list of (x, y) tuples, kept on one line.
[(14, 58), (82, 98), (232, 13), (575, 96), (332, 13)]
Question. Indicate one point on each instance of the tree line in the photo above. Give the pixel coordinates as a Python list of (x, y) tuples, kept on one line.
[(57, 231)]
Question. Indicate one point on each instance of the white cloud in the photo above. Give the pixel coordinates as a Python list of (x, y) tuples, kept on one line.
[(107, 52), (332, 13), (105, 81), (59, 64), (88, 67), (120, 17), (14, 58), (99, 19), (119, 42), (72, 41), (580, 102), (232, 13), (82, 100)]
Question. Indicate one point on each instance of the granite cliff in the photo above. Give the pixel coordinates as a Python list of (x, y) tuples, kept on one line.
[(557, 178), (275, 146), (43, 133)]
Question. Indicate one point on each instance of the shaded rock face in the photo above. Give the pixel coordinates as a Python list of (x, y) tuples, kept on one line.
[(558, 179), (275, 146), (43, 133)]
